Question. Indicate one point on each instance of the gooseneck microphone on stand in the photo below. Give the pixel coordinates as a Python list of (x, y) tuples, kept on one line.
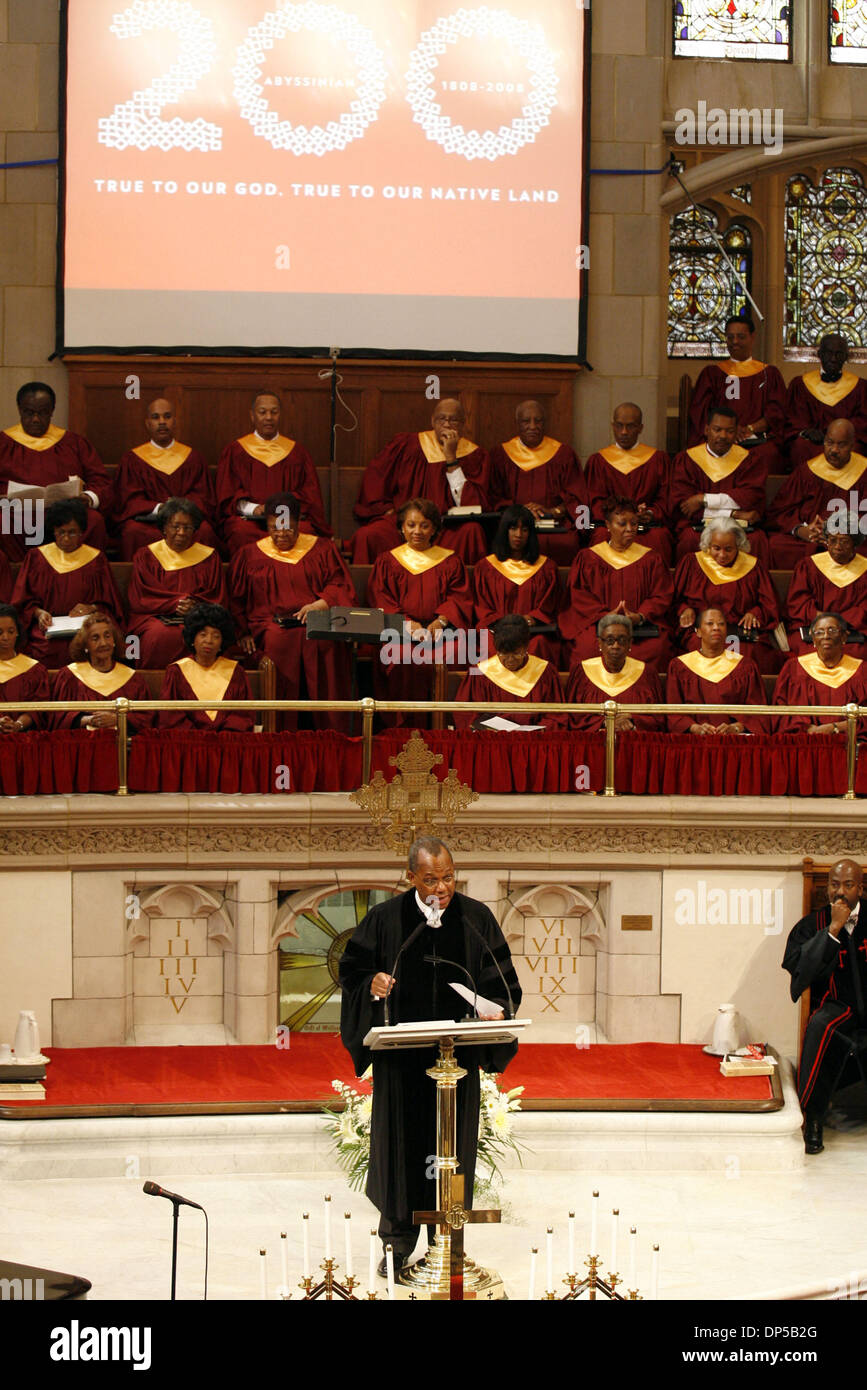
[(153, 1190)]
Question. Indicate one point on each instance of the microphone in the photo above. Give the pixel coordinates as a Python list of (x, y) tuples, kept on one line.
[(409, 940), (474, 929), (443, 960), (153, 1190)]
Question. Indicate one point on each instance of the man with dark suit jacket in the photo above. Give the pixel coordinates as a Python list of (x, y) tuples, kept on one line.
[(827, 952)]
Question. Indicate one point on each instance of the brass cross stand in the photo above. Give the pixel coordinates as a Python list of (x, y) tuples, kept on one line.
[(446, 1273)]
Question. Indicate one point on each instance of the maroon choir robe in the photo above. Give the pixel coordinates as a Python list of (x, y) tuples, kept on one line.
[(81, 682), (252, 470), (807, 493), (813, 403), (264, 584), (55, 458), (804, 680), (591, 684), (551, 476), (641, 474), (413, 465), (740, 474), (147, 477), (514, 586), (727, 679), (187, 680), (537, 682), (761, 391), (819, 585), (56, 582), (600, 578), (741, 588), (421, 585), (22, 678), (160, 578)]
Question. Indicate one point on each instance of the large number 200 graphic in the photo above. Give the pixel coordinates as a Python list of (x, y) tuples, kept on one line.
[(137, 123)]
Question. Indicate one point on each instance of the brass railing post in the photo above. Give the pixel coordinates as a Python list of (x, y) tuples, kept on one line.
[(851, 750), (122, 733), (610, 716), (368, 709)]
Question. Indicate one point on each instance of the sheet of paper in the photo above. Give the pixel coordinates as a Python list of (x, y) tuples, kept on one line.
[(502, 725), (483, 1005), (55, 492), (464, 511), (64, 627)]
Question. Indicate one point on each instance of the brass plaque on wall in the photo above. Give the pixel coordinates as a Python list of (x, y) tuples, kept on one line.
[(636, 923)]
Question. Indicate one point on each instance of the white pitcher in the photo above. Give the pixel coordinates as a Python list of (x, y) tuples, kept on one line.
[(726, 1031), (26, 1043)]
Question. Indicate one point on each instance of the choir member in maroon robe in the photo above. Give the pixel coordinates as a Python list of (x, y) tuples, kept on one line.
[(718, 478), (833, 580), (818, 397), (273, 585), (149, 475), (207, 675), (826, 676), (439, 464), (544, 476), (511, 674), (36, 453), (169, 579), (619, 576), (755, 390), (722, 574), (713, 675), (815, 492), (614, 675), (65, 578), (96, 674), (515, 578), (427, 584), (629, 469), (252, 469), (21, 678)]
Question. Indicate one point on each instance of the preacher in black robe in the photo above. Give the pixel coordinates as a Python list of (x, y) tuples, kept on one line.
[(401, 1177)]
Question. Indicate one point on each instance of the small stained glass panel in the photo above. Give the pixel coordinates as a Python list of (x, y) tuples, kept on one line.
[(702, 291), (847, 31), (753, 29), (826, 260)]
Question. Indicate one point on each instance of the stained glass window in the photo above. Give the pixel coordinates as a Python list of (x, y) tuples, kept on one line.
[(847, 33), (743, 193), (702, 292), (826, 259), (757, 29)]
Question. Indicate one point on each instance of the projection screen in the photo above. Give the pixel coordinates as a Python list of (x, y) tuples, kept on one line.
[(368, 175)]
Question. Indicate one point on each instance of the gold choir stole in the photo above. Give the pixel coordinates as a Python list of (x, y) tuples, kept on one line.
[(267, 451), (433, 451), (528, 459), (303, 546), (612, 683), (103, 682), (841, 576), (832, 676), (725, 574), (166, 461), (516, 571), (627, 460), (620, 559), (420, 561), (829, 392), (172, 560), (717, 468), (711, 668), (843, 478), (18, 666), (52, 436), (208, 684), (518, 683), (749, 368), (62, 562)]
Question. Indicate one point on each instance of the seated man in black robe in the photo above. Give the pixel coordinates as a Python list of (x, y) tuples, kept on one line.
[(825, 952), (402, 1174)]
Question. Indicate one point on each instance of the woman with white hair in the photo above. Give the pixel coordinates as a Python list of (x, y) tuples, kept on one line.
[(722, 574)]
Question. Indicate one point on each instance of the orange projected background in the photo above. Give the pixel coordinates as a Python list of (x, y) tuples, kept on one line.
[(358, 149)]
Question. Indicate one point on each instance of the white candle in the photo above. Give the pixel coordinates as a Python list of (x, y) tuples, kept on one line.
[(305, 1226), (614, 1215), (347, 1231), (371, 1264), (594, 1225), (284, 1262), (571, 1242), (654, 1273), (328, 1228), (263, 1282), (633, 1236), (549, 1253), (531, 1293), (389, 1270)]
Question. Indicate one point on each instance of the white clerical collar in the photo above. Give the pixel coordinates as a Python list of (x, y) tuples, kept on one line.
[(715, 455), (164, 447), (426, 911), (852, 920)]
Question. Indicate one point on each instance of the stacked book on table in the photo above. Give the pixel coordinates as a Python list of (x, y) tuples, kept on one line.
[(753, 1060)]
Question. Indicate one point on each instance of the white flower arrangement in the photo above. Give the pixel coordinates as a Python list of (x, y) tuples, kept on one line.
[(350, 1131)]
